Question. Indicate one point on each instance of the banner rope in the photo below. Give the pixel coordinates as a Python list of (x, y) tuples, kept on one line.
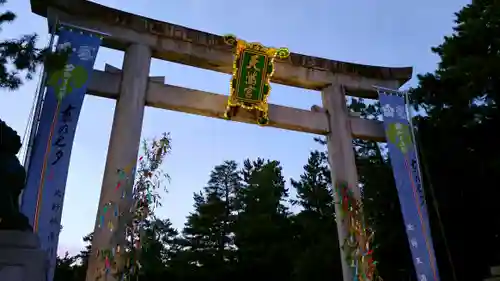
[(34, 115), (29, 124), (435, 205), (31, 117), (36, 108)]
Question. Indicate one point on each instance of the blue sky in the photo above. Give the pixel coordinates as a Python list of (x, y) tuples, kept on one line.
[(382, 32)]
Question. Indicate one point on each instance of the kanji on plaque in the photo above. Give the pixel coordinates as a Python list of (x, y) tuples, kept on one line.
[(253, 67)]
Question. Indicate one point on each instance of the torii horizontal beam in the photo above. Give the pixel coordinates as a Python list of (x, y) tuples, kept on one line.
[(159, 95), (208, 51)]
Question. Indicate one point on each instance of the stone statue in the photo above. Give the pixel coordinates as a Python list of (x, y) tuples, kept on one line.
[(12, 181)]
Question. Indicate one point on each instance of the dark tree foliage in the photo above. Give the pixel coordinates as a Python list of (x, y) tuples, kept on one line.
[(458, 139), (21, 55), (262, 227), (65, 269), (315, 230), (207, 236), (159, 242), (80, 261), (17, 55)]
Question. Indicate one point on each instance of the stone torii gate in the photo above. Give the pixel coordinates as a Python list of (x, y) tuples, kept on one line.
[(143, 38)]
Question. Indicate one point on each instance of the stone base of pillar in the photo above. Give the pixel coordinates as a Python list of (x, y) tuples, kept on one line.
[(21, 258)]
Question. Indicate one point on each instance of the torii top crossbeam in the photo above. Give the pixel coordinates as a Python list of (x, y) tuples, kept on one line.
[(205, 50)]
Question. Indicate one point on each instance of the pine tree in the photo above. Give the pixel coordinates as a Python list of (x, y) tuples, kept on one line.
[(221, 190), (82, 259), (262, 231), (314, 189), (316, 230), (159, 243), (208, 233), (65, 268), (264, 187)]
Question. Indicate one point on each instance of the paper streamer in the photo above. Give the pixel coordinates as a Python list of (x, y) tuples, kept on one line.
[(357, 243), (141, 198)]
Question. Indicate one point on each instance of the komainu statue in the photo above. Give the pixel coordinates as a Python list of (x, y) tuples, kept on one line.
[(12, 181)]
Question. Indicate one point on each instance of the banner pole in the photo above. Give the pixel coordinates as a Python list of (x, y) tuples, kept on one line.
[(38, 106), (431, 189), (407, 175), (409, 116), (38, 109)]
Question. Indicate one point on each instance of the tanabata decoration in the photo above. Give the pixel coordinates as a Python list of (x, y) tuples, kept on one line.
[(253, 67), (123, 261), (124, 175), (109, 256), (357, 244), (108, 207)]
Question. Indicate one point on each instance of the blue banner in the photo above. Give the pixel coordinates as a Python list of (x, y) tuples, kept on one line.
[(42, 199), (404, 162)]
